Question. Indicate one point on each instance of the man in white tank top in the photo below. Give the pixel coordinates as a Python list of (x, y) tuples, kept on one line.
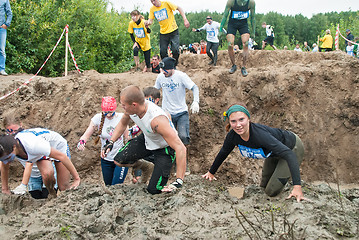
[(160, 139)]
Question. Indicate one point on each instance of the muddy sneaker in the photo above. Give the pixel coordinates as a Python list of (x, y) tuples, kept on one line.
[(211, 62), (233, 69), (2, 72), (146, 167), (244, 72)]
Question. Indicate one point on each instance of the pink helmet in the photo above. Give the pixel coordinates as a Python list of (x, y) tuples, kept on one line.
[(108, 104)]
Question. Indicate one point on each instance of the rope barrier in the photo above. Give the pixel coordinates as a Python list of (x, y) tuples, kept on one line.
[(338, 31), (28, 81)]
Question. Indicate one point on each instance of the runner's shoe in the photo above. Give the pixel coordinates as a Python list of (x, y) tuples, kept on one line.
[(233, 69), (244, 72)]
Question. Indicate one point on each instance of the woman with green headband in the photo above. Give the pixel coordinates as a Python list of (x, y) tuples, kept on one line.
[(282, 150)]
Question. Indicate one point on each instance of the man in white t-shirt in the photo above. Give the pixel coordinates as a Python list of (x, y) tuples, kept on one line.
[(211, 28), (159, 139), (174, 84), (270, 36)]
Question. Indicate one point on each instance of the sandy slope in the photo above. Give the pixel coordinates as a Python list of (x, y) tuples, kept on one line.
[(313, 94)]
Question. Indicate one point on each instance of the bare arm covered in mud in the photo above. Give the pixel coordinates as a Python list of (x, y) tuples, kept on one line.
[(5, 177), (229, 4), (86, 136), (252, 8), (27, 173), (56, 154), (185, 21)]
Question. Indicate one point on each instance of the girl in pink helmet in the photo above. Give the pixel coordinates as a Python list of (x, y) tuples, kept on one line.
[(103, 124)]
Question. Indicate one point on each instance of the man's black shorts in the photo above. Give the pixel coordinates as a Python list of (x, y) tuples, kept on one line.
[(269, 40), (240, 25)]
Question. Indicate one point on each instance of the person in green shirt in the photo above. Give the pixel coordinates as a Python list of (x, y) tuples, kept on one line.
[(238, 12)]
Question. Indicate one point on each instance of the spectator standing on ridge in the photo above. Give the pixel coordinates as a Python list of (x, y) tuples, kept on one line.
[(5, 18), (306, 47), (350, 37), (315, 47), (211, 28), (355, 50), (203, 47), (327, 42), (238, 12), (270, 36), (297, 48), (350, 49), (169, 34)]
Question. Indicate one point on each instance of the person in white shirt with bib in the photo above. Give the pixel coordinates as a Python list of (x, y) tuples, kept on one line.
[(211, 28), (32, 145)]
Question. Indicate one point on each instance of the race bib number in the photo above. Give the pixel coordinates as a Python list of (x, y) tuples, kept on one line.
[(256, 153), (161, 14), (139, 32), (211, 33), (240, 15)]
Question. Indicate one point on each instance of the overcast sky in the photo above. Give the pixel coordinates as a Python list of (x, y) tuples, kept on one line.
[(285, 7)]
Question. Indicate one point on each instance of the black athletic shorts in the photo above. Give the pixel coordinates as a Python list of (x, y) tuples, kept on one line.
[(162, 159), (269, 40), (240, 25)]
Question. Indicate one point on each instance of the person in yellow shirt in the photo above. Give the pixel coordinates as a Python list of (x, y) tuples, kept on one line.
[(140, 35), (162, 11), (327, 42)]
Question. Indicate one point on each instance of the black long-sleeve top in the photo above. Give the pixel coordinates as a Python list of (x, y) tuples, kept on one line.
[(263, 142)]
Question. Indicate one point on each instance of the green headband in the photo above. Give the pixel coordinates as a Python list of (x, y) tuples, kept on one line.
[(235, 108)]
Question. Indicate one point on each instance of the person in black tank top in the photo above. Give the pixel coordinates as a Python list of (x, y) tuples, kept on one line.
[(238, 12)]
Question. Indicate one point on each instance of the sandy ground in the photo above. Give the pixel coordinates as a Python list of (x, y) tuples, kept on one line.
[(312, 94)]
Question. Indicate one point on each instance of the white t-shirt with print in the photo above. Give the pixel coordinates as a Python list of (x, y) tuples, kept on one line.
[(107, 131), (269, 31), (39, 141), (212, 31), (174, 91)]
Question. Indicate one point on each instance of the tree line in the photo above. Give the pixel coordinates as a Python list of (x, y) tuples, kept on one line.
[(99, 38)]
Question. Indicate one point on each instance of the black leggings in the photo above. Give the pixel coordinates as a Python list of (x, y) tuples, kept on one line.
[(146, 54), (214, 47), (162, 159)]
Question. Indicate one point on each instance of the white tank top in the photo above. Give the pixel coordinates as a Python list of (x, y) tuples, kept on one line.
[(153, 140)]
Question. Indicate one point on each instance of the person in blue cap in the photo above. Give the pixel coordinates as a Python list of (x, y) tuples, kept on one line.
[(282, 150)]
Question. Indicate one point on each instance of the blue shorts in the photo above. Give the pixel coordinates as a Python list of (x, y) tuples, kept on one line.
[(36, 183)]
